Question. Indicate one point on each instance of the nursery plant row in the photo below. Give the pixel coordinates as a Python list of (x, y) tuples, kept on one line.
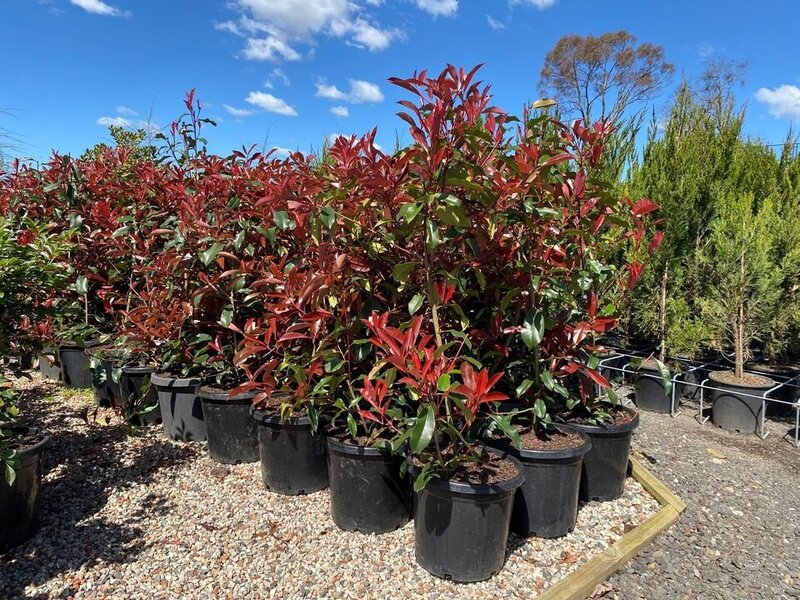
[(425, 323)]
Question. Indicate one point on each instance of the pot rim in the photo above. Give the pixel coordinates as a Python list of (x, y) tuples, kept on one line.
[(165, 381), (604, 428), (358, 450), (224, 396), (525, 453), (39, 446), (744, 386), (137, 370), (501, 488), (262, 417)]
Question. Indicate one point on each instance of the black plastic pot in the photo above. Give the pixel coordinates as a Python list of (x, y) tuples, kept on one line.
[(368, 493), (546, 505), (49, 365), (232, 434), (106, 392), (75, 371), (461, 529), (181, 409), (605, 466), (138, 396), (25, 361), (292, 457), (650, 394), (19, 503), (733, 409)]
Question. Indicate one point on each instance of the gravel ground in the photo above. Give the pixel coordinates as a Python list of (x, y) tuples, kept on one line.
[(143, 517), (740, 535)]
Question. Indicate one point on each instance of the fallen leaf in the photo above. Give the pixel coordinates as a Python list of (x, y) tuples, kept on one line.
[(716, 454), (602, 590)]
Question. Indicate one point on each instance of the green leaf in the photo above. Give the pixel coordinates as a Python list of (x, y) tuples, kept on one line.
[(409, 211), (504, 424), (352, 427), (226, 317), (327, 216), (432, 239), (416, 303), (401, 272), (282, 220), (208, 256), (539, 408), (524, 387), (533, 329), (11, 474), (547, 380), (239, 240), (422, 432), (81, 285), (453, 215), (443, 383)]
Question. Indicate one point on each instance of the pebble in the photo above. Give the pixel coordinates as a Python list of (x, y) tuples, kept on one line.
[(140, 516)]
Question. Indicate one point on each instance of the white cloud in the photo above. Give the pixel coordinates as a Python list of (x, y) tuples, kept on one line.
[(360, 91), (364, 91), (331, 92), (238, 112), (277, 75), (279, 152), (340, 111), (273, 28), (118, 121), (269, 48), (270, 103), (494, 23), (782, 102), (98, 7), (540, 4), (438, 8), (124, 110)]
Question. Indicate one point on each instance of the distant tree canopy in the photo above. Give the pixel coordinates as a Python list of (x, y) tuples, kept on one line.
[(601, 77)]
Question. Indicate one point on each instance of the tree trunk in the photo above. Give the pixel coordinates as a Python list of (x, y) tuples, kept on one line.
[(662, 315), (739, 336)]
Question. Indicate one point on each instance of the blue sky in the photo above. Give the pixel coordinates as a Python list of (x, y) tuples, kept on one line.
[(288, 73)]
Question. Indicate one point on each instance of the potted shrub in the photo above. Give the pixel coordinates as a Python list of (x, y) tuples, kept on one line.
[(21, 453), (744, 286), (653, 386)]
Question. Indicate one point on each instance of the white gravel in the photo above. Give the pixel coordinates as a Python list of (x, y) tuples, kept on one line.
[(144, 517)]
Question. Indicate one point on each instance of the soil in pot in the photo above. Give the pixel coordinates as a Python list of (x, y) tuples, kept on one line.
[(605, 466), (75, 371), (650, 393), (368, 492), (737, 403), (232, 433), (49, 365), (180, 406), (19, 502), (461, 523), (546, 505), (292, 456), (138, 397)]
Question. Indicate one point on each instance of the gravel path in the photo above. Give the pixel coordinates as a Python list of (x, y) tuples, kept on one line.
[(740, 535), (143, 517)]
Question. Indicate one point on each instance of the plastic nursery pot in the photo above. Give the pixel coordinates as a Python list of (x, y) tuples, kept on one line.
[(25, 361), (136, 388), (292, 456), (368, 493), (461, 529), (546, 505), (49, 365), (181, 410), (19, 503), (232, 434), (103, 386), (605, 466), (733, 409), (650, 394), (75, 371)]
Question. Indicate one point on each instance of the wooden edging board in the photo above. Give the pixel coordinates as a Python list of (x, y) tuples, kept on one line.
[(580, 584)]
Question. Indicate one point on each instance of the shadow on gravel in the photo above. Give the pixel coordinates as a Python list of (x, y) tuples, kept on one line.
[(82, 468)]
